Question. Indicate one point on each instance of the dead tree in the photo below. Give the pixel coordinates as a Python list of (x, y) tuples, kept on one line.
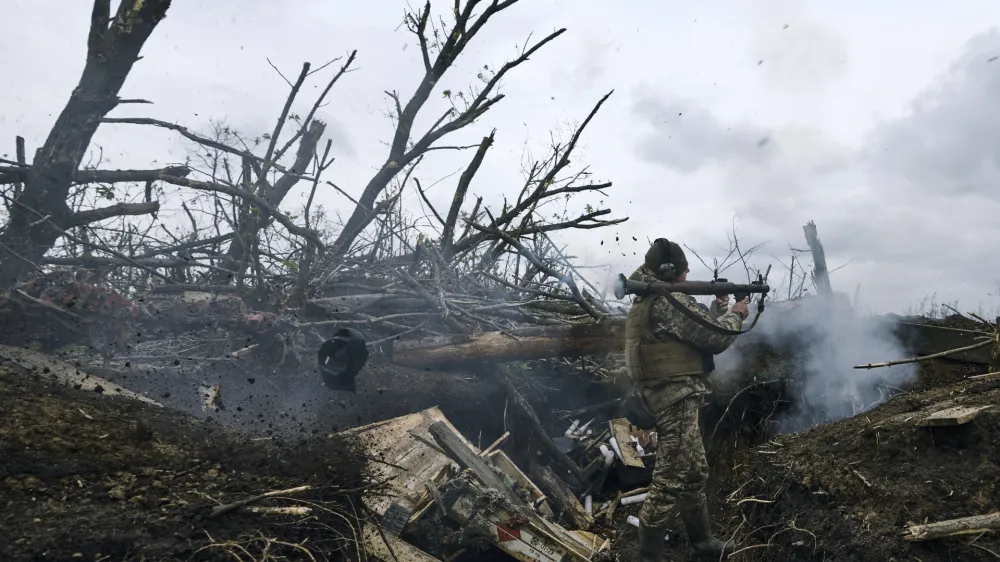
[(262, 183), (39, 214), (439, 49), (822, 275)]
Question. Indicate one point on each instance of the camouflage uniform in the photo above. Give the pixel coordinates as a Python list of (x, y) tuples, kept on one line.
[(681, 469), (667, 357)]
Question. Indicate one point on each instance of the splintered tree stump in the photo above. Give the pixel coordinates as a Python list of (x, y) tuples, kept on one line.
[(995, 355), (974, 525), (819, 259), (498, 347)]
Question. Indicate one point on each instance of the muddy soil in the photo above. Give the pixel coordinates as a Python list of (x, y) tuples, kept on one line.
[(89, 477), (845, 491)]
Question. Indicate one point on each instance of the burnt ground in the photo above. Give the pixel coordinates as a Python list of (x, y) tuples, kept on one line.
[(89, 477)]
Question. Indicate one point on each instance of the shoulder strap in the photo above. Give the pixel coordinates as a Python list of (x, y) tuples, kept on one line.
[(715, 328)]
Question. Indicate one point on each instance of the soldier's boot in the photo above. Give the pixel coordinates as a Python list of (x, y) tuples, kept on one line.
[(651, 543), (699, 529)]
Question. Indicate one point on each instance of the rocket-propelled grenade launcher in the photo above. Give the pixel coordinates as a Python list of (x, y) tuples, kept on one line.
[(625, 286)]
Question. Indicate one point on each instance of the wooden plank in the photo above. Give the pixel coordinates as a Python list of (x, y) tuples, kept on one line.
[(956, 415), (467, 458), (621, 430), (495, 444), (380, 544), (404, 442), (530, 540), (503, 462), (538, 497), (975, 525)]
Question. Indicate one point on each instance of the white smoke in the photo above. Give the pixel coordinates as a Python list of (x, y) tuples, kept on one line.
[(816, 344)]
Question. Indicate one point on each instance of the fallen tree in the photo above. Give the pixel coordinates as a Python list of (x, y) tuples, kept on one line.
[(503, 347)]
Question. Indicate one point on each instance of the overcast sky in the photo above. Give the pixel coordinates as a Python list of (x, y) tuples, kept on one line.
[(881, 124)]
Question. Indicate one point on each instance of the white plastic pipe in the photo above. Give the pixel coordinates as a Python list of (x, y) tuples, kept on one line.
[(572, 428), (614, 445), (583, 427), (588, 504), (609, 456), (634, 521), (638, 498)]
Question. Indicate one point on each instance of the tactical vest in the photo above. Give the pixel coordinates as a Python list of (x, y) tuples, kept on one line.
[(647, 359)]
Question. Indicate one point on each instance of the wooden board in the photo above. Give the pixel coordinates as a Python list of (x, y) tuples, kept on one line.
[(956, 415), (404, 442), (534, 540), (503, 462), (621, 430), (379, 544), (452, 442)]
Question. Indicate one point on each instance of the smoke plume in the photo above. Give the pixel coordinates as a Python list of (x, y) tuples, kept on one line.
[(813, 344)]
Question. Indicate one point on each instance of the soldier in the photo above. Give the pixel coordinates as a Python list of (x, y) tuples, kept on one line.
[(667, 355)]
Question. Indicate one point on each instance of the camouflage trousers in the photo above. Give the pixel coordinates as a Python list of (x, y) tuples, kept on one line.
[(681, 470)]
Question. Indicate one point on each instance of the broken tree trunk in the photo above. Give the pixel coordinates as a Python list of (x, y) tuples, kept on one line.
[(560, 494), (498, 347), (819, 259), (974, 525)]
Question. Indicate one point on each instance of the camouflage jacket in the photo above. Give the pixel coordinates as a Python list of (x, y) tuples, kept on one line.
[(666, 321)]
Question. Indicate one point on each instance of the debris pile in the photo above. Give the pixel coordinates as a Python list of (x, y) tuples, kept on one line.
[(452, 498)]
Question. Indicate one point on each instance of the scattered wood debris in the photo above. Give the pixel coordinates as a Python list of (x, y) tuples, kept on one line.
[(955, 415), (425, 461), (975, 525)]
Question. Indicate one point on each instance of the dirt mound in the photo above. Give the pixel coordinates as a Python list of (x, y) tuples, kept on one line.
[(845, 490), (954, 321), (86, 477)]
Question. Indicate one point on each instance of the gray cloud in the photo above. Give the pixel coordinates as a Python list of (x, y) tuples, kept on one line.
[(913, 209), (948, 144), (911, 204), (688, 137), (797, 55)]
